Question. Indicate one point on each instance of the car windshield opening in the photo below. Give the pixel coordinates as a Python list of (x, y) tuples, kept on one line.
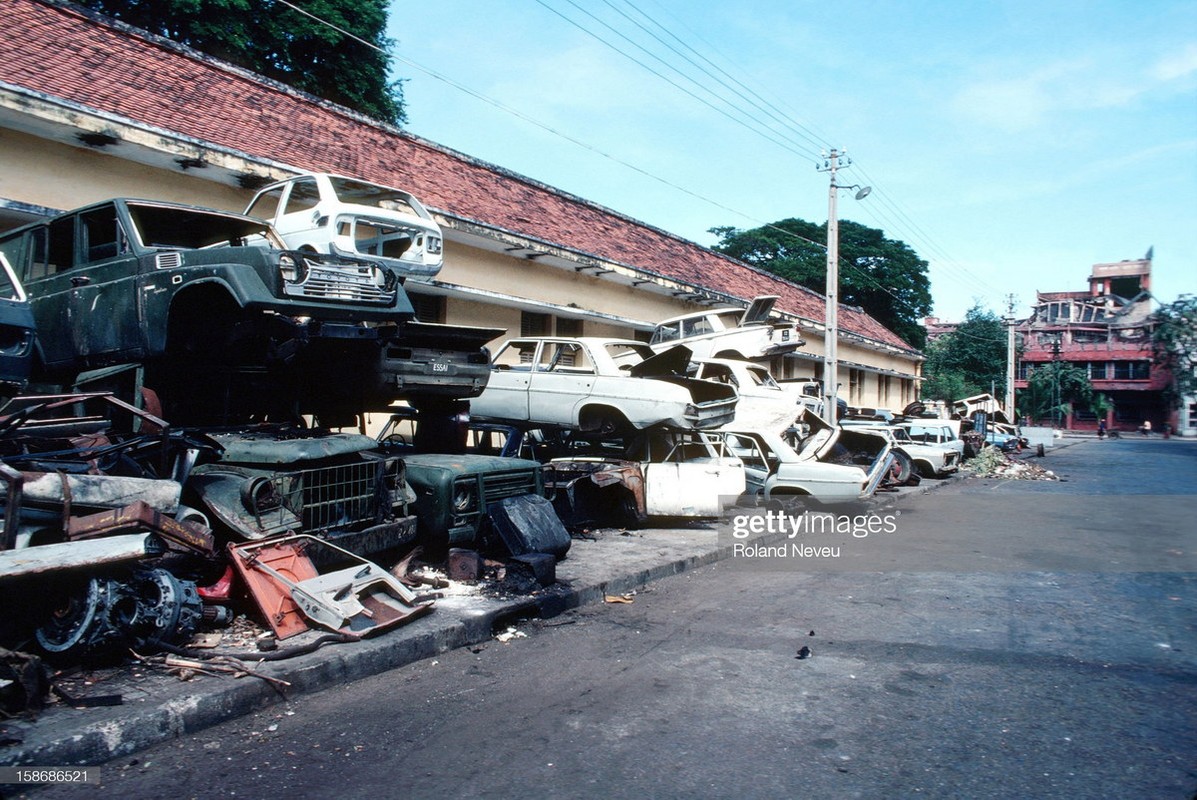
[(162, 226), (367, 194)]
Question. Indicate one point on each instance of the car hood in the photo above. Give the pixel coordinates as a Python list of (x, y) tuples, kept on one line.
[(758, 312), (671, 362), (269, 448)]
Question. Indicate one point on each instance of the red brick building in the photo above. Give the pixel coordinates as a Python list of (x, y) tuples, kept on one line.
[(1106, 331)]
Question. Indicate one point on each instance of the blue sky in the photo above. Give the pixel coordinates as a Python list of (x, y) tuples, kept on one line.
[(1011, 144)]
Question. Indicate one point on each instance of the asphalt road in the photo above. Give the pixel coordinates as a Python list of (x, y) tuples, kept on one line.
[(1008, 639)]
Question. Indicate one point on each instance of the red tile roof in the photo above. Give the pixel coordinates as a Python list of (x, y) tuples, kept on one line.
[(62, 52)]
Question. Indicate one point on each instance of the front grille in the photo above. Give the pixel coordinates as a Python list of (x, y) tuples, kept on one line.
[(343, 496), (497, 486), (349, 284)]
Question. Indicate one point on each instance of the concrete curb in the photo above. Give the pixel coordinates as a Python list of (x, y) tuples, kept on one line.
[(158, 707)]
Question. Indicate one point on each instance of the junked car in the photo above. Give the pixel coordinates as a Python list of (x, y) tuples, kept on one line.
[(455, 490), (928, 459), (338, 486), (934, 431), (828, 466), (17, 333), (599, 385), (136, 280), (229, 324), (729, 332), (764, 403), (659, 474), (342, 216)]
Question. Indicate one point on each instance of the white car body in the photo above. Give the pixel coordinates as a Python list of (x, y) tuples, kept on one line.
[(729, 332), (775, 469), (764, 403), (690, 476), (936, 431), (930, 459), (354, 219), (598, 384), (679, 474)]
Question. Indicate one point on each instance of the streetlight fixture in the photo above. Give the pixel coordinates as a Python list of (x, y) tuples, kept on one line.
[(831, 328)]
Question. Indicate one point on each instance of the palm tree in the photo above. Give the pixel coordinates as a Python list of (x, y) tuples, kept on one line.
[(1101, 405)]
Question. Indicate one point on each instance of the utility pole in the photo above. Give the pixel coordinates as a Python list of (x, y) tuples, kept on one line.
[(1009, 319), (1056, 381), (831, 327)]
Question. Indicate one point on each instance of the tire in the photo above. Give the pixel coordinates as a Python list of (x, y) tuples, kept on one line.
[(902, 469)]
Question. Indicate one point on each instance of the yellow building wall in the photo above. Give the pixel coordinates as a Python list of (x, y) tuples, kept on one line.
[(531, 280), (45, 173)]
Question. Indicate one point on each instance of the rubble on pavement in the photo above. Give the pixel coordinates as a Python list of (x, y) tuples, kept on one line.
[(991, 462)]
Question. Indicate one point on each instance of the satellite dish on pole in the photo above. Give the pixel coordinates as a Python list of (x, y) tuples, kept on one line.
[(864, 192)]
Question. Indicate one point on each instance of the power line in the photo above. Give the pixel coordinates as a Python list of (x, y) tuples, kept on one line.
[(896, 218), (577, 142), (745, 123), (746, 93)]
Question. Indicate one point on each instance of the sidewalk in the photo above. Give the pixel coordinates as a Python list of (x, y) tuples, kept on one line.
[(158, 706)]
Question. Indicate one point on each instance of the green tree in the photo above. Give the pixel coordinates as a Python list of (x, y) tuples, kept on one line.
[(883, 276), (1101, 405), (274, 40), (1174, 341), (1053, 390), (970, 360)]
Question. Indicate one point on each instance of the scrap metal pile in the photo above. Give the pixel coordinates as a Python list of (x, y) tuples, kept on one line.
[(181, 467), (114, 538)]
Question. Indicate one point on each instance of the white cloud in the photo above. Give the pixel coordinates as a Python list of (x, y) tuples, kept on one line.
[(1018, 97), (1010, 105), (1175, 66)]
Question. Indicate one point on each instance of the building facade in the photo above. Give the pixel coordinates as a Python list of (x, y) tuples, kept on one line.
[(92, 109), (1106, 331)]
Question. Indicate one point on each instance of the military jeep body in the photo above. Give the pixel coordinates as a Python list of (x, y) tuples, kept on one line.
[(230, 325), (338, 486)]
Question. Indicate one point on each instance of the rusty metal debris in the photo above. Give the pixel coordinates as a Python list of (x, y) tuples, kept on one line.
[(48, 559), (140, 516), (527, 524), (360, 599), (24, 683)]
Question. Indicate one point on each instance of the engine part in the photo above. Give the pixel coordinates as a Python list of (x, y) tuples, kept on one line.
[(104, 614)]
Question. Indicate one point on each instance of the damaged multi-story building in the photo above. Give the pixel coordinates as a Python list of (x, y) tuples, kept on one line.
[(1106, 331)]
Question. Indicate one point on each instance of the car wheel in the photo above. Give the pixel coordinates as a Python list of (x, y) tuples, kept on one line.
[(902, 469)]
